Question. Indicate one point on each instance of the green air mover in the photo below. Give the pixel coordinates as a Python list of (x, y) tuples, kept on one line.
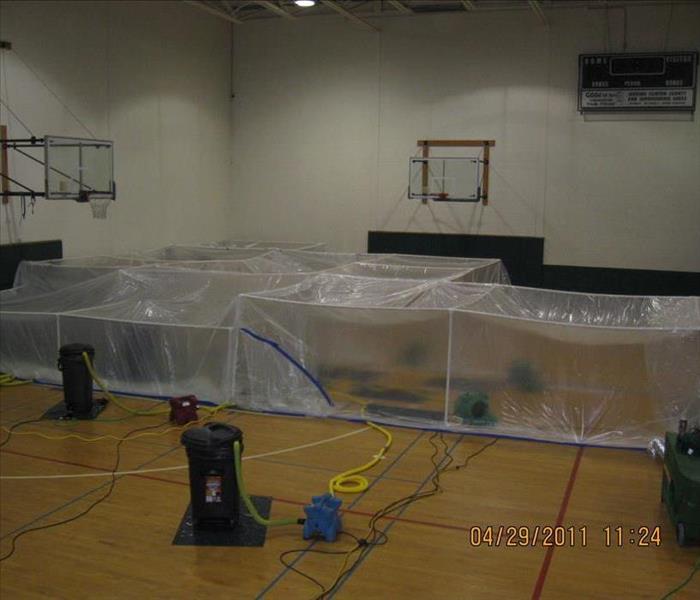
[(523, 376), (680, 485), (473, 408)]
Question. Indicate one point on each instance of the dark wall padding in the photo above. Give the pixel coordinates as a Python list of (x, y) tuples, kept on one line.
[(12, 254), (524, 258), (621, 281)]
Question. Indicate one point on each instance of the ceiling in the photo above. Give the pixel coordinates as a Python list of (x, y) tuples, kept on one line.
[(367, 13)]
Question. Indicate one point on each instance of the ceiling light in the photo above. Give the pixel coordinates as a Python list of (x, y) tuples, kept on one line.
[(305, 3)]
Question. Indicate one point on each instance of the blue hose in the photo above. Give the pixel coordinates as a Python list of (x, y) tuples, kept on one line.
[(275, 346)]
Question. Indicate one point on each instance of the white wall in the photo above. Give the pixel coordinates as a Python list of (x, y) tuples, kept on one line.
[(152, 76), (326, 116)]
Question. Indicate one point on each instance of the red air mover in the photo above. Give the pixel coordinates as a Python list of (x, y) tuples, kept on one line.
[(183, 409)]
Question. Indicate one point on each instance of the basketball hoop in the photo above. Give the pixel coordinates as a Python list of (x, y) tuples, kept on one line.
[(443, 196), (99, 207), (68, 163)]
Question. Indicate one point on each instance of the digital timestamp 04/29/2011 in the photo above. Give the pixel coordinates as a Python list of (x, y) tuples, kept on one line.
[(610, 536)]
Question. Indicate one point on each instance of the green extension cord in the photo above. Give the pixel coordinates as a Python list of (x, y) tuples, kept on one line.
[(678, 588), (246, 498)]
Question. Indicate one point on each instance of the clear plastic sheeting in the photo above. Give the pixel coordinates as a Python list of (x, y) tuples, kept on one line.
[(158, 332), (316, 246), (48, 275), (161, 325), (493, 359), (403, 271), (410, 340), (200, 252), (44, 276)]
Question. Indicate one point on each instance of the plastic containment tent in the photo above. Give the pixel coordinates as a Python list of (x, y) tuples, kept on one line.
[(49, 275), (156, 331), (163, 326), (431, 342), (317, 246), (478, 358)]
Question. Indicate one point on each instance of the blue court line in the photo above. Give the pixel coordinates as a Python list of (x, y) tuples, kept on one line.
[(81, 496), (99, 391), (286, 570), (379, 419), (347, 576), (484, 433)]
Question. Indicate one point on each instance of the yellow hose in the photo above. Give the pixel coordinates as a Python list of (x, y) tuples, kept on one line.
[(350, 481), (8, 380), (257, 517), (99, 438), (212, 410)]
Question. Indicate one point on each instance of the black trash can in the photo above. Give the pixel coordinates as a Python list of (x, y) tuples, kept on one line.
[(77, 381), (213, 486)]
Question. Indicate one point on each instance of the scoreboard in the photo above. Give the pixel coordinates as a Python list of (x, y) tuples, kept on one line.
[(661, 81)]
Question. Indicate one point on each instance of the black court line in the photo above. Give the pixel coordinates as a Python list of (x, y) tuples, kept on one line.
[(287, 570), (347, 576), (327, 469), (83, 495)]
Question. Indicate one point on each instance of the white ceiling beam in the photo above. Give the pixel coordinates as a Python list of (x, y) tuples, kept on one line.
[(278, 10), (350, 16), (213, 11), (401, 7), (537, 9)]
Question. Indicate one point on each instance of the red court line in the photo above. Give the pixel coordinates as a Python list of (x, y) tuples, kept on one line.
[(539, 585), (282, 500), (55, 460)]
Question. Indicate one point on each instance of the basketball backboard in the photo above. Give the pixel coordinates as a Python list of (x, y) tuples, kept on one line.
[(74, 169), (449, 179), (78, 169)]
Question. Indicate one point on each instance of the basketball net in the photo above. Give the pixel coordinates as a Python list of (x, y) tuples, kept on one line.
[(99, 207)]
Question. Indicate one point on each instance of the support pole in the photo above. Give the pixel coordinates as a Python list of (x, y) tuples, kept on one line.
[(4, 166), (425, 171), (485, 178)]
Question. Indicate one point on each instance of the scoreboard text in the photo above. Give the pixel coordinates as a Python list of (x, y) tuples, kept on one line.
[(663, 81)]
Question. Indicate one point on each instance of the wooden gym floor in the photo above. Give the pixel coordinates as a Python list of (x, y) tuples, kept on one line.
[(123, 547)]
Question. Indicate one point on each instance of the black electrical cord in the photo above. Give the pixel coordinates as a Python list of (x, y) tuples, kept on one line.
[(315, 581), (15, 426), (107, 494), (686, 581), (376, 537), (474, 455), (439, 467), (442, 461)]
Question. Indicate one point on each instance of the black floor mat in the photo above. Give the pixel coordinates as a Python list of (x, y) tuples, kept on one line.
[(246, 533)]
